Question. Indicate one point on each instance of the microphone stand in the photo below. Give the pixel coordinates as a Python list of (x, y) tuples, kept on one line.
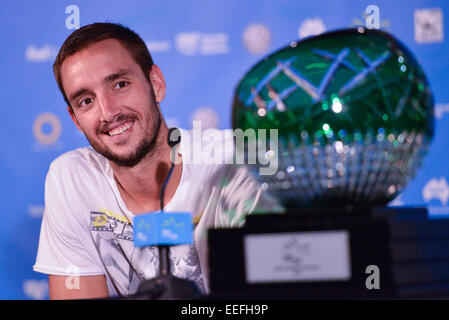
[(166, 286), (164, 251)]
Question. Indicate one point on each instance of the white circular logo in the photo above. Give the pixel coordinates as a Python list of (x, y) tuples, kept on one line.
[(311, 27), (207, 117), (56, 128), (256, 38)]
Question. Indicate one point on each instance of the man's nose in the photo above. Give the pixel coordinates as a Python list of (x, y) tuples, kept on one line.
[(108, 109)]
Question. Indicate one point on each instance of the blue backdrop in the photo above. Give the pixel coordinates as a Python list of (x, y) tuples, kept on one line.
[(203, 48)]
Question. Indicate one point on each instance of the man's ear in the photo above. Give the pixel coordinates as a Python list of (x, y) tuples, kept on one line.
[(72, 115), (158, 83)]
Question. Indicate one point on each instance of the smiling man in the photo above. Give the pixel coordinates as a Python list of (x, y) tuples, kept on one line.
[(113, 93)]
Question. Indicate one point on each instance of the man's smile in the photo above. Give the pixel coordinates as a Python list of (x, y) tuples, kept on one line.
[(120, 128)]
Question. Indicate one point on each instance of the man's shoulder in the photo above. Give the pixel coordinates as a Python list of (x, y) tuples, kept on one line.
[(85, 159)]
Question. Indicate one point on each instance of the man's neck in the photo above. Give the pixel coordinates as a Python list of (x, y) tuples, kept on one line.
[(140, 185)]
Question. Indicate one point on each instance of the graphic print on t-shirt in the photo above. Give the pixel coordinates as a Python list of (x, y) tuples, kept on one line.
[(127, 265)]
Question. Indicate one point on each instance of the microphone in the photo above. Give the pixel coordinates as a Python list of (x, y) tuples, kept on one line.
[(173, 137)]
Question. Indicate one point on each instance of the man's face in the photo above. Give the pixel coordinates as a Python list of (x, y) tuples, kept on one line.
[(113, 103)]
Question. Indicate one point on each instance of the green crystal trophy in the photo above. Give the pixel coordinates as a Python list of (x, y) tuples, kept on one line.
[(354, 115)]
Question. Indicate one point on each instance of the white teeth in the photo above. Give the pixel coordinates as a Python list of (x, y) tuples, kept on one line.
[(120, 129)]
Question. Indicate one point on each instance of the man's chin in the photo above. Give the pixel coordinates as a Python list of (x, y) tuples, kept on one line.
[(124, 160)]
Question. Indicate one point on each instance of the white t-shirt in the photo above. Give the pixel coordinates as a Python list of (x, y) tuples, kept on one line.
[(87, 228)]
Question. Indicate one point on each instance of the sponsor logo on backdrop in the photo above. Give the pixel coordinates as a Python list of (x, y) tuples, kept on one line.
[(436, 189), (207, 117), (158, 46), (187, 43), (45, 53), (256, 38), (51, 120), (36, 289), (36, 211), (429, 25), (205, 44), (311, 27), (441, 109)]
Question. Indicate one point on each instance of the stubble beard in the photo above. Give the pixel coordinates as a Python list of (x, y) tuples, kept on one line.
[(146, 145)]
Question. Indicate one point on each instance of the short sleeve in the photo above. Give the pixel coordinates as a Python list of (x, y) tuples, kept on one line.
[(63, 238)]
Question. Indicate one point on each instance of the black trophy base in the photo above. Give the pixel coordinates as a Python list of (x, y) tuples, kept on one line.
[(410, 251), (167, 287)]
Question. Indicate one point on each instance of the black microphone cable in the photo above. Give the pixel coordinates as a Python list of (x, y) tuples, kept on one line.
[(173, 138)]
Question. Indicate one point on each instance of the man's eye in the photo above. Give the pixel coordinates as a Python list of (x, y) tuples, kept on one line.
[(121, 84), (85, 102)]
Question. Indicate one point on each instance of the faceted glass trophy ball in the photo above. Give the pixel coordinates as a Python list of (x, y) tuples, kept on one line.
[(354, 117)]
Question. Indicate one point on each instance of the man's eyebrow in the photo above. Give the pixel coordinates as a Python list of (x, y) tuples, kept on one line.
[(109, 78), (117, 75), (78, 93)]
